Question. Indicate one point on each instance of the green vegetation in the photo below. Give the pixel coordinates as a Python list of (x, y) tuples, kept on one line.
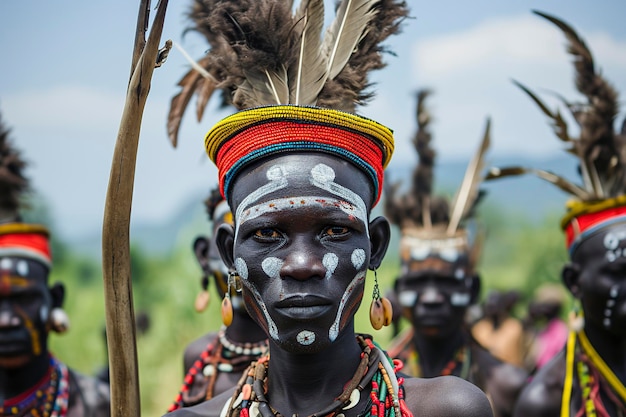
[(517, 254)]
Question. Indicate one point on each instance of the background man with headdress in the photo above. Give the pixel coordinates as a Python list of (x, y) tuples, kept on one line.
[(301, 173), (32, 381), (215, 361), (587, 378), (438, 279)]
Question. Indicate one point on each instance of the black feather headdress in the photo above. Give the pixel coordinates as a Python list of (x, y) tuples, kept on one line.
[(265, 52), (13, 183), (600, 150), (431, 225)]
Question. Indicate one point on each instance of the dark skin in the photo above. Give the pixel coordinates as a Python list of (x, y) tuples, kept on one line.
[(26, 301), (293, 287), (436, 301), (590, 277)]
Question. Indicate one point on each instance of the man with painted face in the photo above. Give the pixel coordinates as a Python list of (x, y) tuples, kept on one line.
[(32, 381), (438, 279), (587, 377), (214, 362), (301, 178)]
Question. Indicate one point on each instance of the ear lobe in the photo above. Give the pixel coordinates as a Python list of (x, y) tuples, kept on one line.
[(570, 275), (225, 241), (380, 235), (201, 250)]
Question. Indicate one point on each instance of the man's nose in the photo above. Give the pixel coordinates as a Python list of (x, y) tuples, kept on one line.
[(7, 315), (302, 263), (430, 295)]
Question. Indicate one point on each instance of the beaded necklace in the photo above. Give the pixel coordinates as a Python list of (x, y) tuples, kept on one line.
[(48, 398), (220, 355), (593, 374), (375, 368)]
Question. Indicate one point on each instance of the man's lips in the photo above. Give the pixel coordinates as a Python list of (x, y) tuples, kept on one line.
[(303, 306)]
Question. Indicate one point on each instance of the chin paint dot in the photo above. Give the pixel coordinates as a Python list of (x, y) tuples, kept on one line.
[(271, 266), (242, 268), (22, 268), (358, 258), (6, 264), (323, 173), (330, 262), (275, 173), (305, 337)]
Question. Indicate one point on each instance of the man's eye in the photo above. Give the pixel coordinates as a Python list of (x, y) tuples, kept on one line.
[(336, 231), (267, 233)]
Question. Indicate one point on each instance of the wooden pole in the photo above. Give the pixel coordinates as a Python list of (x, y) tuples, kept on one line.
[(118, 292)]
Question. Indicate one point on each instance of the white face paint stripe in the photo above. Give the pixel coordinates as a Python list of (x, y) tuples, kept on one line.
[(273, 330), (330, 261), (322, 176), (282, 204), (278, 180), (334, 328)]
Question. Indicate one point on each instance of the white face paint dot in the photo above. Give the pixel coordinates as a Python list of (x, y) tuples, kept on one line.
[(449, 254), (22, 268), (271, 266), (407, 298), (323, 173), (459, 299), (614, 290), (242, 268), (606, 323), (611, 241), (275, 173), (305, 337), (358, 258), (459, 273), (6, 264), (330, 262)]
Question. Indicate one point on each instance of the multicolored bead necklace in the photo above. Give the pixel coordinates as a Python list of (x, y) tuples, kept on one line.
[(375, 368), (220, 355), (48, 398), (594, 375)]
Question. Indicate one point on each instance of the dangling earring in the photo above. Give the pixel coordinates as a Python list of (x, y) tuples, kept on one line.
[(59, 321), (576, 319), (203, 297), (227, 305), (381, 311)]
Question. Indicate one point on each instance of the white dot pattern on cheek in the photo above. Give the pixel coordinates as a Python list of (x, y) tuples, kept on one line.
[(459, 299), (242, 268), (271, 266), (44, 314), (407, 298), (358, 258), (330, 262)]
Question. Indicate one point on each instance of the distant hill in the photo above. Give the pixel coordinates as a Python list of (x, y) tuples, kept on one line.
[(525, 197)]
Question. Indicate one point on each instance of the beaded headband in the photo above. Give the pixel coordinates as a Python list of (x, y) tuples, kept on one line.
[(25, 240), (249, 135), (586, 218)]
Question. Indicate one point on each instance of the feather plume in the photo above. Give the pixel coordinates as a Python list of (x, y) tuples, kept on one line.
[(261, 52), (13, 183), (600, 150), (468, 194), (562, 183)]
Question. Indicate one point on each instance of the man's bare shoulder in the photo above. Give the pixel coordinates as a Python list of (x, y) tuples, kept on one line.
[(542, 396), (445, 396)]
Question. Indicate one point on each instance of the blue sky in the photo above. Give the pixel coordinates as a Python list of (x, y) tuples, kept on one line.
[(65, 66)]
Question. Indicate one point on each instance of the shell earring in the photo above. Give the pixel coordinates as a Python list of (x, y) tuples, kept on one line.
[(227, 305), (381, 311)]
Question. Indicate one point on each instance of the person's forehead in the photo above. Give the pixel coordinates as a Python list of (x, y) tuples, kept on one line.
[(302, 174), (608, 243)]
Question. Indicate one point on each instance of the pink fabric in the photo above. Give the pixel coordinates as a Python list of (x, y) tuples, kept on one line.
[(550, 341)]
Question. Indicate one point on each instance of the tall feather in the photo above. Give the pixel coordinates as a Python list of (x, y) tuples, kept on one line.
[(423, 174), (311, 69), (468, 193), (345, 32), (13, 183)]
